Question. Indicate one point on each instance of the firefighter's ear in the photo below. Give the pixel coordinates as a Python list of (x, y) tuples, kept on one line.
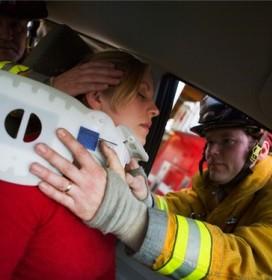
[(93, 99), (265, 150)]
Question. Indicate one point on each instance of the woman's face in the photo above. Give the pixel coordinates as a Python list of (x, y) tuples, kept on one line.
[(137, 114)]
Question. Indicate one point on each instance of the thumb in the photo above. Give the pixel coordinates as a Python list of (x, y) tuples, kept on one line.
[(112, 159), (133, 164), (130, 180)]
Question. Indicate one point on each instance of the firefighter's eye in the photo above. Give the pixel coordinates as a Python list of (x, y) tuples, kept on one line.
[(228, 141), (210, 142)]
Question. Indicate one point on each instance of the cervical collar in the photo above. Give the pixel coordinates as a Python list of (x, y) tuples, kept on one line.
[(23, 100)]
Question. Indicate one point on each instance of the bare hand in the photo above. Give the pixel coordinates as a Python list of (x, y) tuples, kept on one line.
[(90, 76), (82, 189)]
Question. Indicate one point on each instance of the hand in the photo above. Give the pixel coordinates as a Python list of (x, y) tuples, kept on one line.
[(84, 185), (87, 77), (136, 183)]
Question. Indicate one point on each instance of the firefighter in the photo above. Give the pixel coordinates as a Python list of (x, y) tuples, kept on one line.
[(14, 19), (220, 229)]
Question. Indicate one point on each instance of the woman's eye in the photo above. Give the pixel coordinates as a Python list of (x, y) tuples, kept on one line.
[(141, 95)]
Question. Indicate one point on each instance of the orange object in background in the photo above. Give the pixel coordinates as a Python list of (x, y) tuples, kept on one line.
[(177, 161)]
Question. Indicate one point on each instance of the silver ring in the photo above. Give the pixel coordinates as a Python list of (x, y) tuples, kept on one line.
[(68, 188)]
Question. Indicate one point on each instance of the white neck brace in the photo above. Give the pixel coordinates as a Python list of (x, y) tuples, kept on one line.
[(54, 109)]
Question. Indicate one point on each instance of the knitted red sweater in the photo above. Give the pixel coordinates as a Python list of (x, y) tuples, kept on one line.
[(40, 239)]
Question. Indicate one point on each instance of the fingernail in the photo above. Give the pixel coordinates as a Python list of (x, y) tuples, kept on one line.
[(42, 185), (61, 132), (41, 148), (103, 144), (35, 168)]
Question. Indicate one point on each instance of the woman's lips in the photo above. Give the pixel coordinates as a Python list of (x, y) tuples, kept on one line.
[(146, 126)]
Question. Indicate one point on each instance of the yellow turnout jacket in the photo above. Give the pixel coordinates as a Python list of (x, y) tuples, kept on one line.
[(231, 239)]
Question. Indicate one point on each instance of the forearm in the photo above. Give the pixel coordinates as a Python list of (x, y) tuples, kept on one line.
[(121, 213)]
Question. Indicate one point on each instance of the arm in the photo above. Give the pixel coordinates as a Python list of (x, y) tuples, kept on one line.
[(184, 202), (171, 244), (177, 246)]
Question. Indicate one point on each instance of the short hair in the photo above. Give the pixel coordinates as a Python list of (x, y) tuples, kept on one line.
[(133, 70)]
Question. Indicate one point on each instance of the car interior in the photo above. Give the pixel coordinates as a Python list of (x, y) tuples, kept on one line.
[(222, 49)]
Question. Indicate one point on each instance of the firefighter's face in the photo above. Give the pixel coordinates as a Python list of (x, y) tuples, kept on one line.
[(226, 153), (13, 34)]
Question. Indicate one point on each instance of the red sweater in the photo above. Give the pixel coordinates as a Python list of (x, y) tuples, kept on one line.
[(40, 239)]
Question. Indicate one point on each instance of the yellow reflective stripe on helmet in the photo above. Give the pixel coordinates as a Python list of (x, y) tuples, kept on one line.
[(192, 251), (180, 246), (161, 203)]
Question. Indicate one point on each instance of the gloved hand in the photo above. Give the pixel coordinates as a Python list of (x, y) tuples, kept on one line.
[(121, 213), (137, 181)]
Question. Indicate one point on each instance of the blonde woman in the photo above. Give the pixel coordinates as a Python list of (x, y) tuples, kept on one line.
[(42, 239)]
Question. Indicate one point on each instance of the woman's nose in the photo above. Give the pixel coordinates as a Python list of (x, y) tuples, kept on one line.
[(154, 111)]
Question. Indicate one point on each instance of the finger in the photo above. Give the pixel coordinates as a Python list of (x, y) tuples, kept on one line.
[(134, 182), (94, 76), (112, 159), (81, 155), (82, 88), (98, 64), (60, 197), (96, 79), (63, 165), (56, 180), (79, 87), (133, 164), (104, 71), (129, 179)]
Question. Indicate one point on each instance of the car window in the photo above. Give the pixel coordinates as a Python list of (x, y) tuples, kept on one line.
[(180, 149)]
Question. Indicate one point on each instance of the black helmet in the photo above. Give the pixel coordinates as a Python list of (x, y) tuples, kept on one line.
[(214, 114), (28, 10)]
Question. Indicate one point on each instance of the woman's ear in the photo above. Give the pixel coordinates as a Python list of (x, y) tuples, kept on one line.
[(265, 150), (93, 99)]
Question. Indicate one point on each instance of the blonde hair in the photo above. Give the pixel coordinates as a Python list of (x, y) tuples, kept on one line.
[(133, 72)]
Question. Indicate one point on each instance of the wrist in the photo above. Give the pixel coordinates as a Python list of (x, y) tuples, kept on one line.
[(121, 213), (149, 201)]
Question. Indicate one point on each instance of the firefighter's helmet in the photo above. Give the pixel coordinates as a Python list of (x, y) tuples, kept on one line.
[(214, 115), (28, 10)]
